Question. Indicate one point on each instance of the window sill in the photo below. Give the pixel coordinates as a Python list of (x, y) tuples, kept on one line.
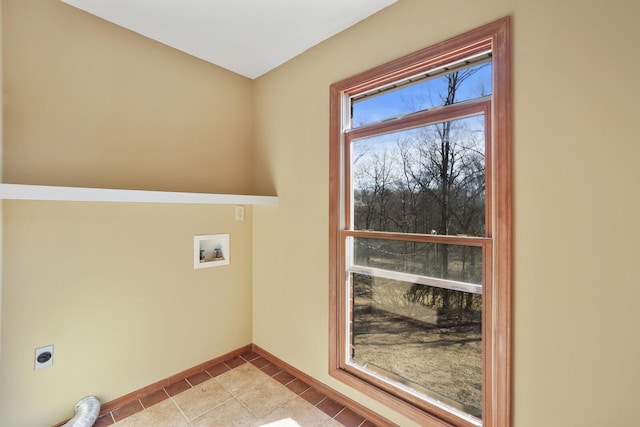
[(442, 418)]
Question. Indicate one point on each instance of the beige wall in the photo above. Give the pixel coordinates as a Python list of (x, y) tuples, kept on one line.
[(112, 286), (88, 103), (576, 198), (91, 104)]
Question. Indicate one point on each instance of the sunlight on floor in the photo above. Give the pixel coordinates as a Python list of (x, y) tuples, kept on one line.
[(288, 422)]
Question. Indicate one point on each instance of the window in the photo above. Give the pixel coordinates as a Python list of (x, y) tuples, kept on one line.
[(420, 231)]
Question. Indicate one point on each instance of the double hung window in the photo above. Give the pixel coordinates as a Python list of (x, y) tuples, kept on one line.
[(420, 231)]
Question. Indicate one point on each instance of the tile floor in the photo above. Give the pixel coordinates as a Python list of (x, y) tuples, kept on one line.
[(247, 391)]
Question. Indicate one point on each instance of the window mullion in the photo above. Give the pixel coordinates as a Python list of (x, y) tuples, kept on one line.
[(422, 118), (418, 279), (415, 237)]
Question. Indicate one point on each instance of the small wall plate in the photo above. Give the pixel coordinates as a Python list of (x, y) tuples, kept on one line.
[(211, 250), (43, 357)]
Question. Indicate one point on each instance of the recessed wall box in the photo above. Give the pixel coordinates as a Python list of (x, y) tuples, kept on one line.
[(211, 250)]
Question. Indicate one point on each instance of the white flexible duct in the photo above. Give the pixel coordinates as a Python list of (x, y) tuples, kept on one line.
[(86, 413)]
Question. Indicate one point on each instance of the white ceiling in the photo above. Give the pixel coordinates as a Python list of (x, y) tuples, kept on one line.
[(249, 37)]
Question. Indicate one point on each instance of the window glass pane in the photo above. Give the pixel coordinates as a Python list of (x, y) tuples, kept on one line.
[(449, 262), (462, 85), (429, 339), (428, 180)]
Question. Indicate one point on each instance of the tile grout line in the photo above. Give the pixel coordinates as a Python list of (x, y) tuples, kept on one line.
[(180, 409), (247, 408), (269, 377), (111, 416), (319, 402), (210, 409), (233, 395)]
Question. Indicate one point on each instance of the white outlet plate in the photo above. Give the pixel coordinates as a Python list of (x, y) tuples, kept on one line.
[(239, 213), (39, 351)]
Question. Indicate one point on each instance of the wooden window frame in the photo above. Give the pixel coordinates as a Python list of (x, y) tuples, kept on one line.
[(497, 247)]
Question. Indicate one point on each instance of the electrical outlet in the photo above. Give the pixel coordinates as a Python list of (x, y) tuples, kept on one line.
[(239, 213), (44, 357)]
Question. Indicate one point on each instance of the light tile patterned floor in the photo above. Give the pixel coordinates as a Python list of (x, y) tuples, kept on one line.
[(246, 396)]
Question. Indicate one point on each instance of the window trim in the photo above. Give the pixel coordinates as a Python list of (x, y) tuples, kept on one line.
[(497, 313)]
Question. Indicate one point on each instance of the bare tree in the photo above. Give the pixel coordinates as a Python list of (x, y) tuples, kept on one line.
[(449, 170), (373, 190)]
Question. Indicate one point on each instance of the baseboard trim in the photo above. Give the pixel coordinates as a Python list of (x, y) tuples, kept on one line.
[(108, 409), (135, 395)]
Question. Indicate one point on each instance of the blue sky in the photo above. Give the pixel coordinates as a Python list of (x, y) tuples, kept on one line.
[(419, 96)]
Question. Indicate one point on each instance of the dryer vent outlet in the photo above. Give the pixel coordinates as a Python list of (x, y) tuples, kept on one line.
[(44, 357)]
